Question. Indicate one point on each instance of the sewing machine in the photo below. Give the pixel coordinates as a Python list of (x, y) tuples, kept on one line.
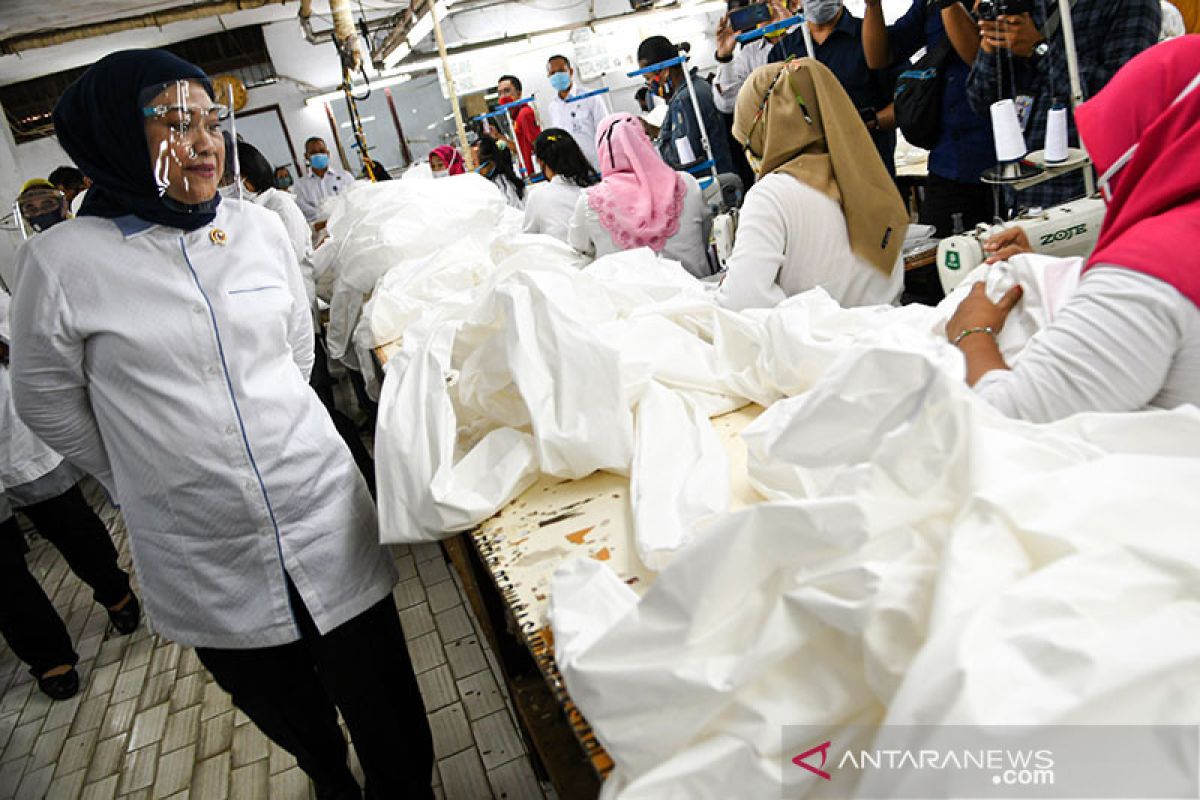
[(1067, 230)]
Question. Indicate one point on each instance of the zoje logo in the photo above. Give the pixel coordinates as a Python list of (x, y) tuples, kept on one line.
[(823, 749)]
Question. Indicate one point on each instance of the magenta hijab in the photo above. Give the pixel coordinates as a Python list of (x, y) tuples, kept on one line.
[(639, 199)]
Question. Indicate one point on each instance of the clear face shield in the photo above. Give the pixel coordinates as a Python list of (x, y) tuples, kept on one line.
[(38, 209), (187, 149)]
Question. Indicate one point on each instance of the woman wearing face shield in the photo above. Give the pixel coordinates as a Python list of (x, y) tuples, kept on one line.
[(819, 214), (165, 345), (1130, 335)]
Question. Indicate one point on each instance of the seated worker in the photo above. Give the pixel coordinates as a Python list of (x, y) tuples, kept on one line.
[(819, 214), (838, 38), (72, 183), (679, 141), (640, 202), (550, 205), (445, 160), (495, 164), (1130, 335)]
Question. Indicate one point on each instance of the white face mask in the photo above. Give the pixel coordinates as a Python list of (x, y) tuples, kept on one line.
[(229, 192), (441, 173)]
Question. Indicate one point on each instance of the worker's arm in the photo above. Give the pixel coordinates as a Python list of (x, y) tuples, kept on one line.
[(876, 46), (49, 383), (577, 232), (963, 32)]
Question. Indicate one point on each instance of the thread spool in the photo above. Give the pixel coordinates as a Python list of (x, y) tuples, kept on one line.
[(1056, 135), (1006, 128)]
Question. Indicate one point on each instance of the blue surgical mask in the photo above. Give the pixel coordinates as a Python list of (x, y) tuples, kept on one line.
[(821, 12), (560, 81), (319, 160), (284, 182)]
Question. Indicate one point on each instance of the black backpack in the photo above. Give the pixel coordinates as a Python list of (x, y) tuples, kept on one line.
[(919, 97)]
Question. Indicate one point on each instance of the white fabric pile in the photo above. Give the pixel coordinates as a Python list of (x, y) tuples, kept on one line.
[(920, 557)]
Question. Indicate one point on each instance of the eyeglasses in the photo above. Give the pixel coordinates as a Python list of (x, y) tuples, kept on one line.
[(183, 119)]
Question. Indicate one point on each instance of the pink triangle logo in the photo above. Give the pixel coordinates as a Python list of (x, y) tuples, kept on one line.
[(823, 749)]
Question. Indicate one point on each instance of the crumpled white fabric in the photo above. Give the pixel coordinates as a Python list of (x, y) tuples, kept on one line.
[(927, 560), (590, 599)]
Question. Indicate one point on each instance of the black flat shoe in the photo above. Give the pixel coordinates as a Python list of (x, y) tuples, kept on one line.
[(60, 687), (127, 618)]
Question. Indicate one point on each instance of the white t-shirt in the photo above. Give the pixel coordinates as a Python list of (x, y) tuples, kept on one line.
[(792, 238), (580, 119), (689, 245), (549, 207), (731, 76), (1122, 342)]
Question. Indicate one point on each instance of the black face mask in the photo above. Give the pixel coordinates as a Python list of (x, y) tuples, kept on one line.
[(41, 222)]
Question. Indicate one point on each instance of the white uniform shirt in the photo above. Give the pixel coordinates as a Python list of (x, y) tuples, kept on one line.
[(174, 366), (580, 119), (549, 207), (689, 245), (1122, 342), (731, 76), (312, 190), (792, 238), (299, 234)]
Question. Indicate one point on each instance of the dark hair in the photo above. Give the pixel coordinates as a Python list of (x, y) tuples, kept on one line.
[(562, 58), (559, 151), (659, 48), (734, 5), (502, 160), (514, 80), (255, 167), (641, 96), (67, 177), (312, 139)]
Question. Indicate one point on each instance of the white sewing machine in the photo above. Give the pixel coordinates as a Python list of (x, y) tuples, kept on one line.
[(1067, 230)]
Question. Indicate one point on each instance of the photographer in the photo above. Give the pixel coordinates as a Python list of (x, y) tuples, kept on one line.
[(963, 148), (1107, 34), (734, 68), (838, 39)]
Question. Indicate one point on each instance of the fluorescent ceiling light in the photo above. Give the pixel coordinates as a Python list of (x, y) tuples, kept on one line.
[(364, 119), (377, 84)]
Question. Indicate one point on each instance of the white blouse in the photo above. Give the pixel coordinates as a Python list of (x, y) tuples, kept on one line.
[(549, 207), (173, 366), (689, 245), (792, 238), (1122, 342), (299, 234)]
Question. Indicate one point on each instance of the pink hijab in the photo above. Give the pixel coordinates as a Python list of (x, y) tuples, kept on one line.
[(639, 199), (450, 157), (1152, 224)]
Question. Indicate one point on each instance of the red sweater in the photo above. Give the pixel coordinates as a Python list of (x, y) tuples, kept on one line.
[(527, 130)]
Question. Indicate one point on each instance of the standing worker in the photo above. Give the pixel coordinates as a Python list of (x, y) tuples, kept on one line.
[(165, 343), (321, 181), (580, 118)]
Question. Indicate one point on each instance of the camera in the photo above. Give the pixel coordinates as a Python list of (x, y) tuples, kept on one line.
[(749, 17), (990, 9)]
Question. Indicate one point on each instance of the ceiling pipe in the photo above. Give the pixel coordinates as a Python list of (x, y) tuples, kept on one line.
[(155, 19)]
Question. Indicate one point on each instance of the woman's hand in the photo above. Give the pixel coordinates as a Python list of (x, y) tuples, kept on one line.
[(1006, 244), (978, 311)]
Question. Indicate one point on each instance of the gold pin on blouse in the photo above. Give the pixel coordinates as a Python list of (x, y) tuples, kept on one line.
[(218, 236)]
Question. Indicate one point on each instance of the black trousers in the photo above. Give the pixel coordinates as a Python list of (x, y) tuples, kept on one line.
[(293, 693), (943, 200), (28, 620)]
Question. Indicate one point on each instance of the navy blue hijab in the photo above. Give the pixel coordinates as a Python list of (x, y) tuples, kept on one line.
[(99, 122)]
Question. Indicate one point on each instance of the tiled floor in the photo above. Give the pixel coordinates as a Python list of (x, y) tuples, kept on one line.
[(150, 723)]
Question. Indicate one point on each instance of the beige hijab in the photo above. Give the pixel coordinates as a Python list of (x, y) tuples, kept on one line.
[(808, 128)]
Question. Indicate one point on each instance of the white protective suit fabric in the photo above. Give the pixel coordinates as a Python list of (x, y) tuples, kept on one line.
[(926, 560), (23, 456)]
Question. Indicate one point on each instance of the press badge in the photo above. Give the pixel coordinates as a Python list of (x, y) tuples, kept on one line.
[(683, 147), (1024, 105)]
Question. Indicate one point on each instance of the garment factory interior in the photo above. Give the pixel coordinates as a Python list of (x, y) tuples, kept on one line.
[(620, 399)]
